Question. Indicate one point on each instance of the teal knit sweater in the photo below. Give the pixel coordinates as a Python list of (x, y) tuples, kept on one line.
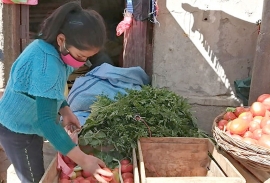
[(35, 93)]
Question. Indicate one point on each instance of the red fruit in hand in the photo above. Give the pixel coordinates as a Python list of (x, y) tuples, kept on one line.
[(108, 179)]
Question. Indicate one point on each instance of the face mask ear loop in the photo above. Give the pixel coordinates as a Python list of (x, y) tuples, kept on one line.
[(64, 50), (64, 45)]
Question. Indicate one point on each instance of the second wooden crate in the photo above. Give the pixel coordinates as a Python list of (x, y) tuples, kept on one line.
[(184, 160)]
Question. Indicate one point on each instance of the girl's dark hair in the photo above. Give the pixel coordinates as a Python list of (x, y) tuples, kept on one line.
[(83, 29)]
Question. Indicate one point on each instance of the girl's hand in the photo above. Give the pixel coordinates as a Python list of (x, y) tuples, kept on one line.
[(90, 164), (94, 166), (69, 119)]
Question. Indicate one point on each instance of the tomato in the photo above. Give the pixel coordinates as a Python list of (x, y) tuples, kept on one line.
[(238, 126), (262, 97), (229, 116), (266, 103), (64, 181), (248, 134), (79, 178), (249, 140), (129, 180), (228, 125), (85, 181), (222, 123), (253, 125), (86, 174), (108, 179), (258, 109), (248, 116), (221, 127), (92, 179), (124, 162), (257, 134), (258, 119), (265, 121), (127, 175), (239, 110), (266, 129), (264, 141), (267, 113), (126, 168)]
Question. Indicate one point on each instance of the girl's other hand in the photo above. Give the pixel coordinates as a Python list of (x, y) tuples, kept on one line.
[(69, 118), (94, 166), (90, 164)]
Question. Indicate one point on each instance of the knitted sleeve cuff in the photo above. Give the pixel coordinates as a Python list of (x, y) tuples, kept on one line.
[(64, 104), (50, 128)]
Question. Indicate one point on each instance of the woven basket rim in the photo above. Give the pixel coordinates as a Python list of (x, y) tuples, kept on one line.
[(253, 155)]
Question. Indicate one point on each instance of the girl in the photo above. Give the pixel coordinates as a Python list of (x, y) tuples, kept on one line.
[(35, 92)]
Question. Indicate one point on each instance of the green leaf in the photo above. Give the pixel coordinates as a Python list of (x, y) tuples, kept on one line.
[(83, 141), (95, 142), (100, 135)]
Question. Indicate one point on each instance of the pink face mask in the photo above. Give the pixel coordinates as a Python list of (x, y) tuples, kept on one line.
[(69, 60)]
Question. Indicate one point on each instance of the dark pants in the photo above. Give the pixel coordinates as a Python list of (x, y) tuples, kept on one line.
[(25, 152)]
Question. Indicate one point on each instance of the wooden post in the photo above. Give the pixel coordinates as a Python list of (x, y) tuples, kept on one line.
[(260, 80), (11, 33), (138, 48)]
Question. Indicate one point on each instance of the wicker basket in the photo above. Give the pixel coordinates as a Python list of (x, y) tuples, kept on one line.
[(251, 155)]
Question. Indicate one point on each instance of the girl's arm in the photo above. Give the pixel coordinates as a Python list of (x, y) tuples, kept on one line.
[(58, 137), (68, 117), (49, 126)]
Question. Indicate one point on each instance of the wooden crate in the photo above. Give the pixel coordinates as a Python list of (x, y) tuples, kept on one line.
[(249, 173), (184, 160), (52, 174)]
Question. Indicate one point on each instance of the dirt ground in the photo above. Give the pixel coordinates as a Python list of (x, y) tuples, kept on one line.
[(7, 172)]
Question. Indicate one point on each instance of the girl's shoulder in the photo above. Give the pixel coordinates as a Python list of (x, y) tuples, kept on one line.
[(40, 45)]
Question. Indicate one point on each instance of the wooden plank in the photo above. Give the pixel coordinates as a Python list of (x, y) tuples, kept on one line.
[(51, 175), (223, 162), (250, 178), (214, 170), (261, 175), (182, 140), (260, 80), (193, 180), (135, 167), (141, 163)]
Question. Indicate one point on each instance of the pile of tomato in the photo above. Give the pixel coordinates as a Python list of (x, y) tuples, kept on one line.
[(249, 124), (80, 176)]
